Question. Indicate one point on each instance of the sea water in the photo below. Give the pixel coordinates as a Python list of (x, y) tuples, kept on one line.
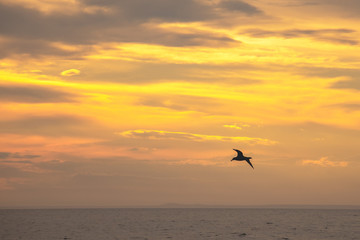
[(177, 223)]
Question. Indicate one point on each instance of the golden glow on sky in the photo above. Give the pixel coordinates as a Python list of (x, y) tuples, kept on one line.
[(135, 92)]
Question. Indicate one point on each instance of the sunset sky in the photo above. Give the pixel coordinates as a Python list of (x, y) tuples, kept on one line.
[(140, 102)]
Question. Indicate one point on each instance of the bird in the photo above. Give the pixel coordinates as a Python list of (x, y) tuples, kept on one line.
[(241, 157)]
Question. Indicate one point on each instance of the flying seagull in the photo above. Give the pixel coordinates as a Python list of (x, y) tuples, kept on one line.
[(241, 157)]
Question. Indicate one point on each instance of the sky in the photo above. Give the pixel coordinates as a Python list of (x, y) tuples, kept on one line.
[(141, 102)]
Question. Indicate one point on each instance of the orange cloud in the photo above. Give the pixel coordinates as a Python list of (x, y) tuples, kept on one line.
[(324, 162), (70, 72), (158, 134), (198, 162), (236, 126)]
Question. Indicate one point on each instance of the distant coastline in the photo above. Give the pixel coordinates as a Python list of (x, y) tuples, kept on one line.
[(179, 205), (269, 206)]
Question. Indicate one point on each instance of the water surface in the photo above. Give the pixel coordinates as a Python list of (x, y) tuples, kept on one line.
[(187, 223)]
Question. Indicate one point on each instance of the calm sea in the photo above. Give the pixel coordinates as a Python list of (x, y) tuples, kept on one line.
[(186, 223)]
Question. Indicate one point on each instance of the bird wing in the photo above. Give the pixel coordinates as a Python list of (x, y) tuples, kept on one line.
[(240, 154), (248, 161)]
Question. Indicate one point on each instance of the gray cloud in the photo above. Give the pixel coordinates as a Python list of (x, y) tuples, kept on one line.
[(190, 39), (61, 166), (28, 31), (10, 171), (56, 126), (146, 72), (16, 161), (9, 155), (349, 8), (167, 10), (20, 22), (347, 106), (37, 47), (340, 35), (350, 84), (329, 72), (86, 28), (33, 94), (352, 74), (184, 103), (346, 8), (4, 155), (151, 34), (239, 6), (296, 3), (60, 125)]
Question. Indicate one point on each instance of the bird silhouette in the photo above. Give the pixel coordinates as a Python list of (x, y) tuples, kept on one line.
[(240, 157)]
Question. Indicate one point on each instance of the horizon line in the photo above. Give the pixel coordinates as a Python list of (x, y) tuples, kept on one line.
[(181, 205)]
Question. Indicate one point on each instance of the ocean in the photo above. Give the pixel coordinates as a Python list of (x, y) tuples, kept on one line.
[(179, 223)]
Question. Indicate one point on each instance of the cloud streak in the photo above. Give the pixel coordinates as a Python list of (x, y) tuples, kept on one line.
[(236, 126), (324, 162), (70, 72), (239, 7), (34, 94), (347, 84), (340, 35), (60, 125), (10, 155), (168, 135)]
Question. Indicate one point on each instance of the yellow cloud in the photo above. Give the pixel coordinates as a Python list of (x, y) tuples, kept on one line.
[(198, 162), (70, 72), (207, 55), (69, 7), (157, 134), (324, 162), (236, 126)]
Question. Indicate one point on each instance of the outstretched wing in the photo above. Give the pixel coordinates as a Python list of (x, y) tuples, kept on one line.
[(248, 161), (240, 154)]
